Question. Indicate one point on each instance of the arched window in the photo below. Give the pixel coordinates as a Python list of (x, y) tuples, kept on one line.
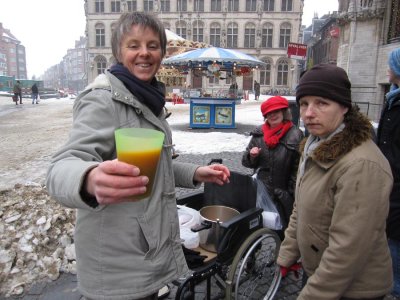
[(265, 73), (283, 71), (181, 29), (284, 35), (100, 35), (249, 35), (232, 35), (215, 34), (267, 32), (198, 31), (100, 64)]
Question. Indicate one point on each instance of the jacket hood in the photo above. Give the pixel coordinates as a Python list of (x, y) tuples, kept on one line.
[(357, 130)]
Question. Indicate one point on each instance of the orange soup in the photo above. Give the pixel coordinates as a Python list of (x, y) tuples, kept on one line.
[(146, 161)]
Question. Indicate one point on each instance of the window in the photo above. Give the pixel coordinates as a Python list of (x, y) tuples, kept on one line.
[(99, 6), (283, 70), (198, 31), (101, 65), (251, 5), (182, 5), (233, 5), (250, 36), (394, 25), (232, 35), (132, 5), (216, 5), (100, 35), (181, 29), (165, 5), (115, 6), (198, 5), (265, 74), (215, 35), (148, 5), (366, 3), (266, 35), (269, 5), (284, 37), (287, 5)]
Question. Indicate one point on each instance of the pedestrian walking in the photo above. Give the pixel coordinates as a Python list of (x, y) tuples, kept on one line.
[(256, 90), (388, 140), (35, 93), (17, 90), (125, 249), (338, 223)]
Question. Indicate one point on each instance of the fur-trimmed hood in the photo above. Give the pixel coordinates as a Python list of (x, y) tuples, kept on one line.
[(357, 130)]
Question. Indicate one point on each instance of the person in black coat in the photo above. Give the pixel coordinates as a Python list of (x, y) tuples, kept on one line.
[(388, 140), (273, 153), (35, 93)]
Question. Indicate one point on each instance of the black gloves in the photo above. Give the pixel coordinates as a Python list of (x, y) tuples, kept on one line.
[(193, 258)]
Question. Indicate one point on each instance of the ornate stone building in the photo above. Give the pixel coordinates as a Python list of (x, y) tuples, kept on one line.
[(261, 28), (369, 30)]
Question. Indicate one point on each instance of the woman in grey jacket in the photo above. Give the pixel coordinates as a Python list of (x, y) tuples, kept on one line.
[(125, 249)]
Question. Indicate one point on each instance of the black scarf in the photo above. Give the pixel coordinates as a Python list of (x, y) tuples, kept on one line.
[(147, 93)]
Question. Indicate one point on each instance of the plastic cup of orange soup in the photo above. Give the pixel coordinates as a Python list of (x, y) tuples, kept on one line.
[(140, 147)]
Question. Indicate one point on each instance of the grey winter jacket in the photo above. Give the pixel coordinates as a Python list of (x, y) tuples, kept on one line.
[(127, 250)]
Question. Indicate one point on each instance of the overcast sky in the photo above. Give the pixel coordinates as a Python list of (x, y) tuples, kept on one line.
[(48, 28)]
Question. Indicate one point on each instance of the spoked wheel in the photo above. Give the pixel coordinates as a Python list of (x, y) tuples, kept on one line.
[(254, 273)]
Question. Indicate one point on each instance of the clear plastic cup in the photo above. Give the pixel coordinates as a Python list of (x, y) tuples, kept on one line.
[(140, 147)]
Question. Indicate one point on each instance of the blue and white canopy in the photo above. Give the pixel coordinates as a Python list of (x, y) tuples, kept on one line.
[(226, 58)]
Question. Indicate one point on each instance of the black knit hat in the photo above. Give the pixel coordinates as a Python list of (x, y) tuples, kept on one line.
[(327, 81)]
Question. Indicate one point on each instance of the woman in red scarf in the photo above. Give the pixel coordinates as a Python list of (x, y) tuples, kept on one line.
[(272, 153)]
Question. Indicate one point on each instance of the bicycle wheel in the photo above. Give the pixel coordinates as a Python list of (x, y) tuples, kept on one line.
[(254, 273)]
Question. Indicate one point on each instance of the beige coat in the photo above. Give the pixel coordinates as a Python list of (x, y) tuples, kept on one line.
[(338, 223)]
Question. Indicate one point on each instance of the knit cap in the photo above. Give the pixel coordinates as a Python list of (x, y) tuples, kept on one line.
[(327, 81), (394, 61)]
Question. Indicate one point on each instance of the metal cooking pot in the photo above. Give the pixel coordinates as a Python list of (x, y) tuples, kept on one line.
[(210, 230)]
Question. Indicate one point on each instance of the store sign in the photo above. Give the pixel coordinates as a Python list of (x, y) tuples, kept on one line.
[(297, 51), (334, 32)]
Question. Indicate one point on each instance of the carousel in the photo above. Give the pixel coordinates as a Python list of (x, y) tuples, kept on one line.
[(170, 76), (213, 108)]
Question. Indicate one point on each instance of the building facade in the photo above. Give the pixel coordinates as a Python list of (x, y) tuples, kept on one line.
[(369, 31), (12, 55), (70, 75), (261, 28)]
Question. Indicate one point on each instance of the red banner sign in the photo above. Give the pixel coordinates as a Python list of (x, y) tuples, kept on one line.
[(297, 51)]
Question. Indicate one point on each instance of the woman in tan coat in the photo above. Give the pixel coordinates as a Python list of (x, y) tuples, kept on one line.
[(337, 228)]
